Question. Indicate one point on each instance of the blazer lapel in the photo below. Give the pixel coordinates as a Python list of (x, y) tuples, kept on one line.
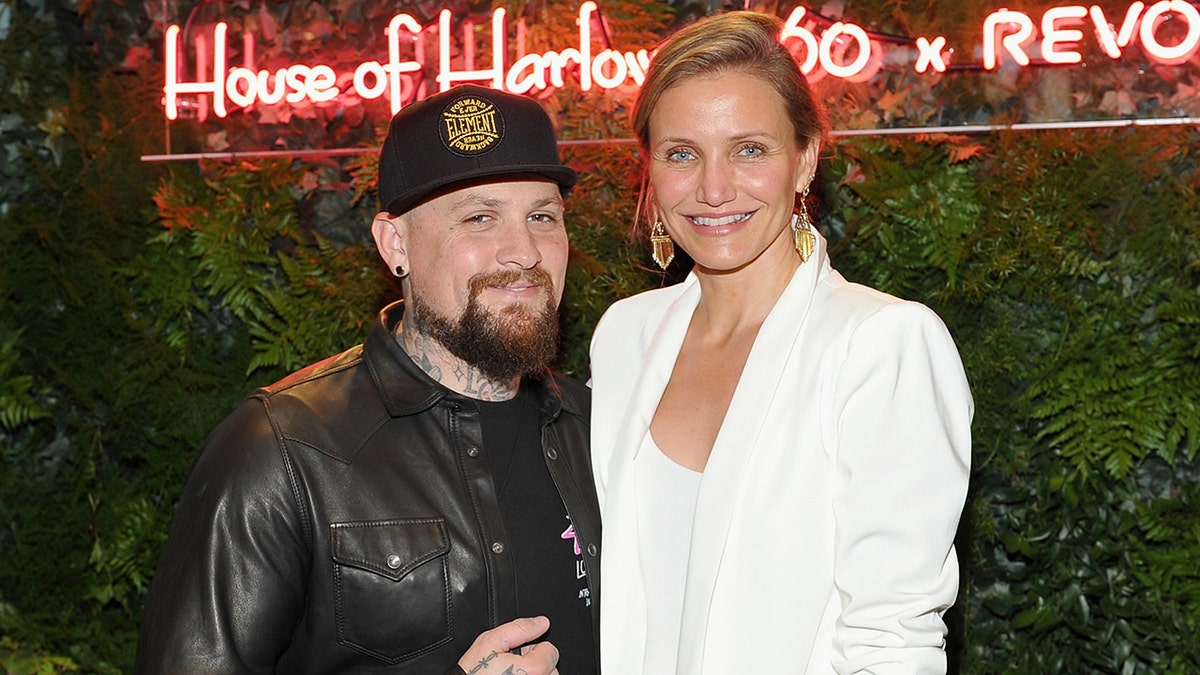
[(661, 350), (736, 443), (653, 348)]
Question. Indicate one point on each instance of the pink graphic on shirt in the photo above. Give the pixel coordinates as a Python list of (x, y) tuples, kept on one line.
[(569, 533)]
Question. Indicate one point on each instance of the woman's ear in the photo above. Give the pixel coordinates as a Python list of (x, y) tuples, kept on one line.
[(808, 165), (391, 240), (647, 210)]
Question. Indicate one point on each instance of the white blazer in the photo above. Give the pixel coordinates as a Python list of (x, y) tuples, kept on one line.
[(824, 526)]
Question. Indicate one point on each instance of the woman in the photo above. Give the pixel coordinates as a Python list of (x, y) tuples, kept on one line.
[(781, 455)]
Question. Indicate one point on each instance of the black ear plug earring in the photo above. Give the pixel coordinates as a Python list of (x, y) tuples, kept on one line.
[(400, 271)]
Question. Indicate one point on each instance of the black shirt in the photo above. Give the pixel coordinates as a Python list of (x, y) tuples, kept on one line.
[(551, 579)]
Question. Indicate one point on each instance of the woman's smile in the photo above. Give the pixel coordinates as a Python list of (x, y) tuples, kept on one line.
[(720, 221)]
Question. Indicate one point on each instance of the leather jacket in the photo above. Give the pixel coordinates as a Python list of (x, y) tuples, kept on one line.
[(344, 520)]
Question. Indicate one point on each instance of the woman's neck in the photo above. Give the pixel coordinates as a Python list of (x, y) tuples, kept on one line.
[(732, 302)]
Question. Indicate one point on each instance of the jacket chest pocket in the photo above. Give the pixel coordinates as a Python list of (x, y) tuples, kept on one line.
[(391, 586)]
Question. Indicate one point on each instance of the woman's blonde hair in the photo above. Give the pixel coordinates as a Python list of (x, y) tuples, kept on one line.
[(739, 41)]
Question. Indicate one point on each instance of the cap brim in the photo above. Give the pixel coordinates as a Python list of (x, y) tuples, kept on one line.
[(564, 176)]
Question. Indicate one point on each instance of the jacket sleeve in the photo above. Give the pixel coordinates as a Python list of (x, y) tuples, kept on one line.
[(230, 582), (903, 413)]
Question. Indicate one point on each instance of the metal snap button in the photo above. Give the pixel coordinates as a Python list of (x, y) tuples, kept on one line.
[(472, 452), (552, 453), (393, 561), (591, 549), (497, 548)]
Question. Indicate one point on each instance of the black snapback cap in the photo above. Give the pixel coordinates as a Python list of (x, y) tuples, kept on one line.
[(465, 133)]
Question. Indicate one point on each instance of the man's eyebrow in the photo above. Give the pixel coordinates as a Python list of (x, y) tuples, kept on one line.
[(471, 201), (548, 201)]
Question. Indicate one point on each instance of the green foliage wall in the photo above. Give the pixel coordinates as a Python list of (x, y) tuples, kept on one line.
[(139, 302)]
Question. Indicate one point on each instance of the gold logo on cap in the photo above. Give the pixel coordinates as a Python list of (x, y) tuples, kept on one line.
[(471, 125)]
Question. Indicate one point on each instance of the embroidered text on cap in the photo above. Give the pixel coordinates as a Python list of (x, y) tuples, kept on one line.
[(471, 125)]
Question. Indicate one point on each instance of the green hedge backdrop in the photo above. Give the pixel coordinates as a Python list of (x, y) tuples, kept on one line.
[(139, 302)]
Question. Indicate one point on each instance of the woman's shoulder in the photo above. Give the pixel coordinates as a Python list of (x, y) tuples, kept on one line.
[(856, 294), (854, 304), (628, 326), (645, 304), (654, 296)]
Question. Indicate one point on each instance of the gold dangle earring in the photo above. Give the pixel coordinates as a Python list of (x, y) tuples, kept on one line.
[(662, 248), (802, 235)]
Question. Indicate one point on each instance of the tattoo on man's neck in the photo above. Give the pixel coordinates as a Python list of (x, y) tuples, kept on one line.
[(477, 386), (464, 378)]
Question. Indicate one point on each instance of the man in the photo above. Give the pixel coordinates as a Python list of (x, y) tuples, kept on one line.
[(396, 508)]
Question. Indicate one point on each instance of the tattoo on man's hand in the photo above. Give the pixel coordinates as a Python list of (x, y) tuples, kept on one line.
[(483, 663)]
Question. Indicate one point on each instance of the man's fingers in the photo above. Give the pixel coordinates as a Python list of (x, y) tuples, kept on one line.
[(544, 651), (542, 657), (499, 646), (509, 636)]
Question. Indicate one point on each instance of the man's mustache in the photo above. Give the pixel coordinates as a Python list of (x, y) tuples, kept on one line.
[(535, 275)]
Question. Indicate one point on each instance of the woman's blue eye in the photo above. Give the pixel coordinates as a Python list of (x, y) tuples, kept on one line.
[(751, 151), (679, 155)]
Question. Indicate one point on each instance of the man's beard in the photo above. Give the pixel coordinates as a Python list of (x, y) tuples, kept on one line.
[(516, 341)]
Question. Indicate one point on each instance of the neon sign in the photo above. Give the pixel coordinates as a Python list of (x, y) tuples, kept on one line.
[(1062, 34), (242, 87), (1167, 32)]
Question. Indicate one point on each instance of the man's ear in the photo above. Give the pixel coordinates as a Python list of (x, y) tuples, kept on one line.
[(391, 240)]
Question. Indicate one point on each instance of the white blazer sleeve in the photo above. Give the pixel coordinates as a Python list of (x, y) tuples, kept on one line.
[(902, 410)]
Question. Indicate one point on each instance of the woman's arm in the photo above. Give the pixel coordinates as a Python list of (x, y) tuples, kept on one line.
[(904, 411)]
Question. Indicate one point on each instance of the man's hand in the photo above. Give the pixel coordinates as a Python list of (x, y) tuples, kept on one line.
[(491, 653)]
